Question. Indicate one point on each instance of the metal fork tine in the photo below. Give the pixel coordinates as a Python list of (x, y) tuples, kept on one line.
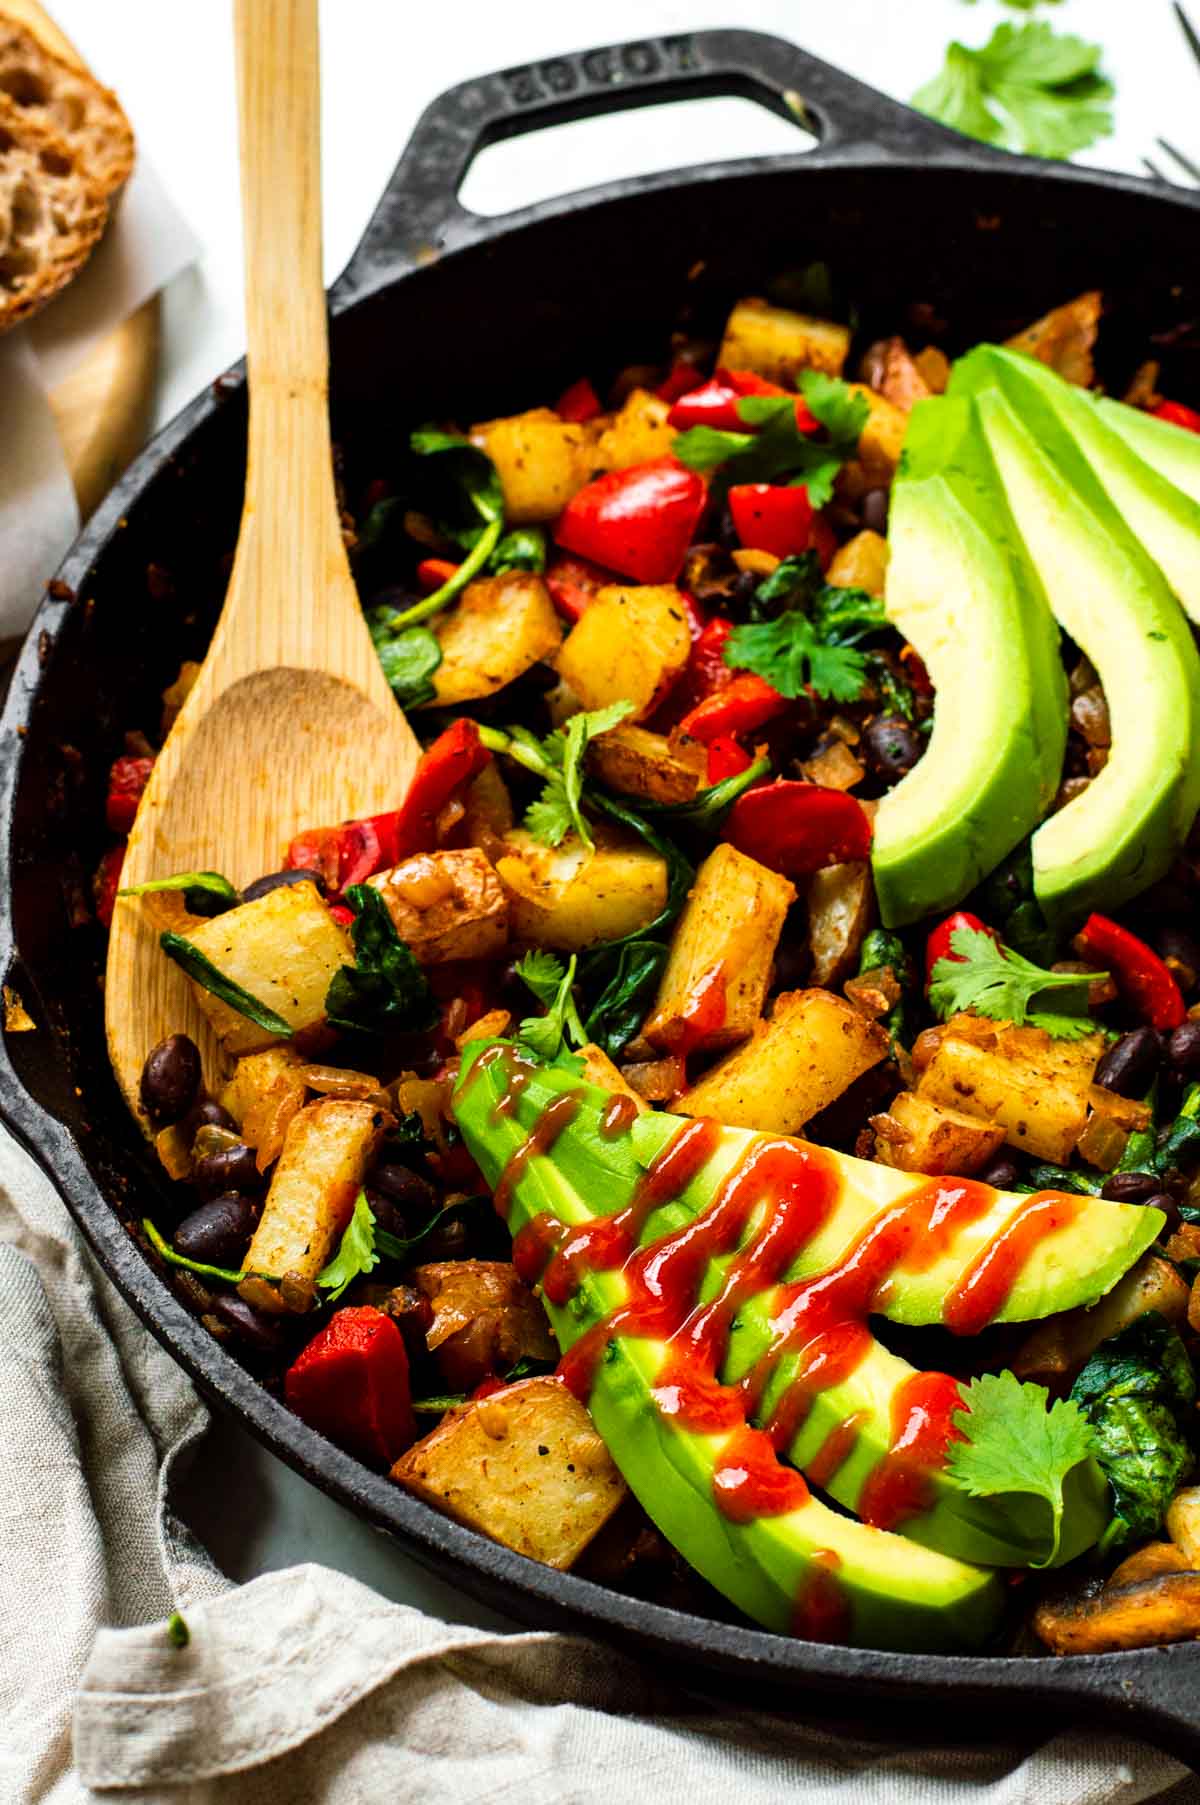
[(1188, 29), (1155, 173), (1177, 156)]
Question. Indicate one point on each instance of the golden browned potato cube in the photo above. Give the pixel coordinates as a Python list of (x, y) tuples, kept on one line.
[(599, 1069), (917, 1135), (1064, 337), (934, 368), (725, 937), (446, 905), (882, 438), (564, 898), (629, 645), (777, 343), (890, 368), (638, 433), (326, 1154), (860, 564), (524, 1466), (841, 907), (1183, 1523), (283, 948), (540, 460), (267, 1089), (484, 1320), (1060, 1345), (813, 1046), (1034, 1087), (498, 629), (488, 806), (636, 762)]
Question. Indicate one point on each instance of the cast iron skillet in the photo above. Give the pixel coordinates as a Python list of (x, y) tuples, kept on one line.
[(439, 310)]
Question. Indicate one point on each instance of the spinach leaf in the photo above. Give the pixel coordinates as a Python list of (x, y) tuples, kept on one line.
[(522, 548), (708, 808), (409, 658), (619, 1010), (458, 485), (1060, 1178), (202, 971), (1137, 1391), (205, 892), (843, 617), (400, 1247), (385, 991), (1181, 1143), (795, 583)]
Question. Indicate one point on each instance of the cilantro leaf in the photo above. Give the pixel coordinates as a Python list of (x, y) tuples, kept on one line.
[(840, 409), (409, 658), (1015, 1444), (385, 990), (552, 984), (356, 1252), (779, 449), (1029, 88), (558, 809), (791, 656), (997, 982)]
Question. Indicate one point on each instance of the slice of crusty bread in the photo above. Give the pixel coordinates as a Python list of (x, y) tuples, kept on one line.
[(63, 96), (51, 212)]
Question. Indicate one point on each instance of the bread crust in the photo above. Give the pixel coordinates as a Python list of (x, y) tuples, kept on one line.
[(66, 99), (51, 213)]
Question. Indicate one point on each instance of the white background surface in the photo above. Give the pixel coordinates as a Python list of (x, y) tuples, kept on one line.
[(383, 60)]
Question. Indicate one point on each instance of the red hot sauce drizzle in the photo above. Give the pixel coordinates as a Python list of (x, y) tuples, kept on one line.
[(617, 1116), (985, 1286), (821, 1612), (922, 1429)]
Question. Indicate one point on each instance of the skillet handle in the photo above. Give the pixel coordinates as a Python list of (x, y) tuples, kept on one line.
[(420, 214)]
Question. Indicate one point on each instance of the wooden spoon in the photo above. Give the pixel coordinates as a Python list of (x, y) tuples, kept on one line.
[(291, 723)]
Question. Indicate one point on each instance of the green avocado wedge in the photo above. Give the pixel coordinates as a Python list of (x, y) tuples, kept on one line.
[(1171, 450), (1012, 1530), (1123, 832), (1116, 483), (961, 589)]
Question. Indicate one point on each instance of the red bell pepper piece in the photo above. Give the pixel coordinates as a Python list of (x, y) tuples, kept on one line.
[(743, 704), (127, 779), (1141, 976), (351, 1384), (679, 380), (572, 583), (796, 828), (715, 403), (342, 915), (706, 668), (638, 522), (486, 1387), (695, 615), (772, 517), (579, 403), (356, 850), (938, 944), (433, 572), (726, 758), (107, 882), (1178, 415), (823, 540)]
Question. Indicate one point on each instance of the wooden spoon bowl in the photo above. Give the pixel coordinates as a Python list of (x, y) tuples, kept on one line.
[(291, 723)]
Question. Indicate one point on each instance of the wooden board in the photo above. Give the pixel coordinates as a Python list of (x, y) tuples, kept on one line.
[(103, 408)]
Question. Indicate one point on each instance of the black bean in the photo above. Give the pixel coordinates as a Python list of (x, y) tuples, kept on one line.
[(206, 1114), (385, 1212), (447, 1242), (891, 746), (1183, 1048), (1131, 1063), (1130, 1187), (219, 1232), (258, 1332), (278, 880), (1163, 1200), (232, 1169), (1183, 952), (1001, 1172), (874, 510), (412, 1315), (170, 1078), (414, 1194)]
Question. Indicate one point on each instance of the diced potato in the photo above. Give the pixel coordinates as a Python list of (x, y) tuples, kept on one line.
[(1036, 1088), (638, 433), (1165, 1608), (919, 1136), (841, 905), (447, 905), (811, 1049), (283, 948), (561, 703), (326, 1155), (1055, 1350), (1183, 1523), (541, 461), (726, 936), (492, 1026), (638, 763), (563, 898), (656, 1080), (629, 645), (498, 629), (882, 438), (1064, 337), (484, 1320), (524, 1466), (777, 343), (599, 1069), (1151, 1559), (934, 366), (834, 767), (266, 1091), (890, 367), (860, 564), (488, 806)]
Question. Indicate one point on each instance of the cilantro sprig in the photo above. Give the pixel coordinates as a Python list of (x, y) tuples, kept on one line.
[(778, 449), (1029, 88), (558, 810), (552, 984), (1013, 1443), (997, 982), (790, 654), (356, 1254)]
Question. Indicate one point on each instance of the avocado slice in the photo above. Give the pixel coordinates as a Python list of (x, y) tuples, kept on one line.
[(1114, 481), (960, 588), (1171, 450), (586, 1163), (1123, 832)]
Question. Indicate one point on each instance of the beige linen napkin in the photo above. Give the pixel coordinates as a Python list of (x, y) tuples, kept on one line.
[(307, 1688)]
